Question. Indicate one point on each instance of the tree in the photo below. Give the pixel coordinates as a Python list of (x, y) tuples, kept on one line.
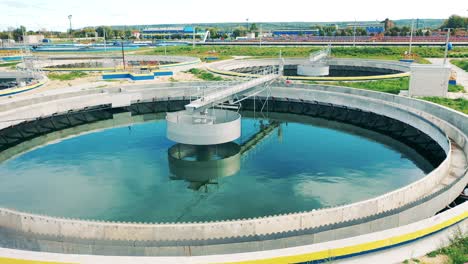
[(4, 35), (361, 31), (329, 29), (394, 31), (18, 33), (128, 33), (253, 28), (213, 33), (118, 33), (240, 31), (88, 31), (455, 21), (405, 30), (388, 24), (109, 32), (236, 33)]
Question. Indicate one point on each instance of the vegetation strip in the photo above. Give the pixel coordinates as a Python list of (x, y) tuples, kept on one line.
[(66, 76), (392, 86), (463, 64)]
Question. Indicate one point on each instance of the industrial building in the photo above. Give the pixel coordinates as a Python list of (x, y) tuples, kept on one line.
[(169, 32), (296, 32), (371, 28)]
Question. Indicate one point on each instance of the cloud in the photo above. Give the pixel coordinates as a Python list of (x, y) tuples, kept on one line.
[(14, 4)]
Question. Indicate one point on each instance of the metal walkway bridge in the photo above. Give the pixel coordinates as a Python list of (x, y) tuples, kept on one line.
[(202, 124), (320, 55), (224, 94)]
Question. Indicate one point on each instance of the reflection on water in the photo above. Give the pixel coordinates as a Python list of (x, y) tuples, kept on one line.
[(203, 165), (138, 175)]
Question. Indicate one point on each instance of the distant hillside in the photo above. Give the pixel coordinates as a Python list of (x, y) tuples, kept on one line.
[(420, 23)]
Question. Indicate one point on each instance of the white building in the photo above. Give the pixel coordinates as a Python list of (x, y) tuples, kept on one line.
[(6, 42), (33, 39)]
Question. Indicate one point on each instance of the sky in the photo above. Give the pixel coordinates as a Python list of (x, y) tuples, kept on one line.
[(53, 14)]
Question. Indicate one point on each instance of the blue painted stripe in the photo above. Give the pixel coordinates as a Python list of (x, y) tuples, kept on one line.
[(168, 73)]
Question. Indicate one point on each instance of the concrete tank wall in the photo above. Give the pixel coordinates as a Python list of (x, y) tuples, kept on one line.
[(380, 64), (261, 226)]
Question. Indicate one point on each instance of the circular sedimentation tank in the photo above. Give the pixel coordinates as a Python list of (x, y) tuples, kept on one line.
[(283, 164), (73, 62), (319, 163), (339, 69)]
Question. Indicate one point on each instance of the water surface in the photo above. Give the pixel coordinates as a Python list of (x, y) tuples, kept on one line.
[(122, 174)]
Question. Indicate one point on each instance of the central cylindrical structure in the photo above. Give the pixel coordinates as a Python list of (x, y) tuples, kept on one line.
[(210, 128), (313, 70)]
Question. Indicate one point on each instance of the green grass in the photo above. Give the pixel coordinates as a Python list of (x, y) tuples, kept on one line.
[(390, 53), (224, 52), (8, 64), (432, 254), (461, 63), (456, 104), (392, 86), (66, 76), (204, 75), (457, 251), (456, 88)]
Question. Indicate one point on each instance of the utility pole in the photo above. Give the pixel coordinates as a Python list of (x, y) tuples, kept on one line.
[(104, 33), (193, 41), (354, 33), (261, 34), (446, 46), (69, 18), (123, 52), (411, 38)]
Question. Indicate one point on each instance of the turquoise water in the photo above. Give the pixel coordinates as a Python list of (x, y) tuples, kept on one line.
[(122, 174)]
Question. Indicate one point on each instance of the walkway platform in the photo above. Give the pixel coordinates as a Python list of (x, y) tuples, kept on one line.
[(224, 94)]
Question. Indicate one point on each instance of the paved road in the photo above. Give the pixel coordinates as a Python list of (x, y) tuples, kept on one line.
[(462, 76)]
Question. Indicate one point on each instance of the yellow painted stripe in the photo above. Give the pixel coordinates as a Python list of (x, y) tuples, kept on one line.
[(20, 89), (111, 69), (21, 261), (337, 252), (115, 73), (319, 255), (81, 69), (180, 64), (356, 78), (143, 74)]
